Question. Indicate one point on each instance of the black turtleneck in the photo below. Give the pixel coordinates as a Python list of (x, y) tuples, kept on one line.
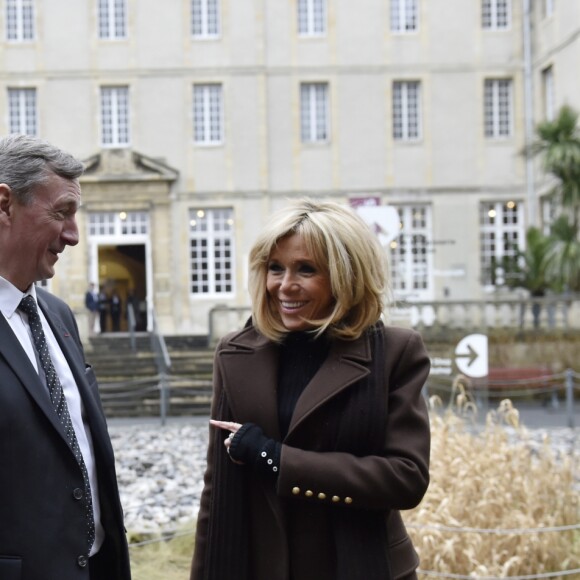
[(301, 355)]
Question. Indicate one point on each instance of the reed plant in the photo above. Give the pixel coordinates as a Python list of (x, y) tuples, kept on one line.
[(491, 494)]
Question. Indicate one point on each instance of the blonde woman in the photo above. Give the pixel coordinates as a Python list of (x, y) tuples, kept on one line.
[(320, 434)]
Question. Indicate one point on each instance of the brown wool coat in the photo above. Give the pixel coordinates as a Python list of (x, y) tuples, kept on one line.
[(311, 482)]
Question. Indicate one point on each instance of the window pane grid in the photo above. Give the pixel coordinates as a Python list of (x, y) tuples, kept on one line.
[(409, 255), (314, 112), (117, 224), (22, 111), (311, 17), (497, 108), (211, 251), (404, 16), (208, 114), (112, 19), (115, 115), (501, 235), (205, 18), (495, 14), (20, 20), (406, 111), (135, 223), (102, 224)]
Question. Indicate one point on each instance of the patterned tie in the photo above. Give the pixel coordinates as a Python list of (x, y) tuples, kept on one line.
[(28, 306)]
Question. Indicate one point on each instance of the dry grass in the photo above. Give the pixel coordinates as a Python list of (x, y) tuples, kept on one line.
[(477, 481), (164, 560), (485, 481)]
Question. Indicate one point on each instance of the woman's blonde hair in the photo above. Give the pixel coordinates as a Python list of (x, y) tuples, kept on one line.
[(344, 247)]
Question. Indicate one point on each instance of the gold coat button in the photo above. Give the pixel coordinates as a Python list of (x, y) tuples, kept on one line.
[(335, 499), (321, 495), (308, 493), (295, 490), (348, 500)]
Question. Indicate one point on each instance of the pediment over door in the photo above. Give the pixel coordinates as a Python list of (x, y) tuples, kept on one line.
[(118, 175)]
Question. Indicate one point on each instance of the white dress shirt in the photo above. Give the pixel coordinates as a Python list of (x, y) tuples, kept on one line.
[(10, 298)]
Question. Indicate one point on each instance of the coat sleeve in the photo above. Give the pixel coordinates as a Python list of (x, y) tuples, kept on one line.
[(398, 477), (201, 534)]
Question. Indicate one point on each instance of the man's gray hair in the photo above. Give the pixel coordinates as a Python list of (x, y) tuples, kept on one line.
[(26, 162)]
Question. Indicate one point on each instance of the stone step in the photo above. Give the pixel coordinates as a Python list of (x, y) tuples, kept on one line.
[(129, 378)]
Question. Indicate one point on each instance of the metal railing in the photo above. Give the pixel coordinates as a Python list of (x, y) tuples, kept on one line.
[(163, 362), (550, 391), (168, 394)]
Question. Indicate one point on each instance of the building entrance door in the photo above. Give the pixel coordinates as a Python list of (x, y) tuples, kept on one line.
[(123, 279)]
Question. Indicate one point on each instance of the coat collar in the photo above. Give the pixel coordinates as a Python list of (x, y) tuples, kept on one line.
[(248, 363)]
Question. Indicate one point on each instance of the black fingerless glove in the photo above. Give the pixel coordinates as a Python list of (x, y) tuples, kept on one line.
[(250, 446)]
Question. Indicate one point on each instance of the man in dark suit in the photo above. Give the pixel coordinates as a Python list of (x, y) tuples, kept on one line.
[(60, 514)]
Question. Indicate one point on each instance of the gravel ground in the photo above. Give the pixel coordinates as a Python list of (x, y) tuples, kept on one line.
[(160, 468)]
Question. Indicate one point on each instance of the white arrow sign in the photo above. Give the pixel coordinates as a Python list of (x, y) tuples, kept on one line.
[(471, 355), (383, 220)]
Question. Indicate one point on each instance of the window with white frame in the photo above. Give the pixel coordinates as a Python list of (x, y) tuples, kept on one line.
[(404, 16), (550, 209), (205, 18), (548, 93), (22, 112), (501, 232), (314, 115), (495, 14), (109, 223), (498, 108), (211, 244), (208, 114), (115, 116), (112, 19), (411, 264), (311, 17), (406, 110), (19, 20)]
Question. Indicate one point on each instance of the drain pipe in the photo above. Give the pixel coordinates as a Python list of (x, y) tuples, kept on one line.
[(529, 113)]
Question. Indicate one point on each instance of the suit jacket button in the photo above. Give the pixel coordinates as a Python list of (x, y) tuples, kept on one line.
[(308, 493), (348, 500), (295, 490), (335, 499), (321, 495), (82, 561), (78, 493)]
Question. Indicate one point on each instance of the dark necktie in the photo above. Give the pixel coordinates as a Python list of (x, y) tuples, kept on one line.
[(28, 306)]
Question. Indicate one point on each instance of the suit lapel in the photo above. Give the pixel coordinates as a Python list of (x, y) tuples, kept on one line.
[(343, 367), (18, 360)]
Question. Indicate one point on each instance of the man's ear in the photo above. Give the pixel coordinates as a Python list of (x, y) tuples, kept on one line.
[(6, 202)]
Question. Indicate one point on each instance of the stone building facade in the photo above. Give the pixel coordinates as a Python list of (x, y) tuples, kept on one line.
[(198, 118)]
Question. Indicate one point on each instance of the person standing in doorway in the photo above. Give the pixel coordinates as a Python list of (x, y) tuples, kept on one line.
[(60, 512), (115, 308), (103, 309), (92, 305)]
